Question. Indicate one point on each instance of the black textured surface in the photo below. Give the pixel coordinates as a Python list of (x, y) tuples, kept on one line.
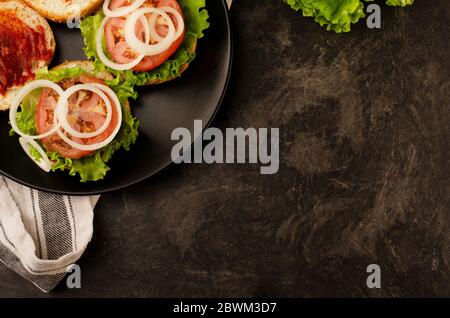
[(364, 123)]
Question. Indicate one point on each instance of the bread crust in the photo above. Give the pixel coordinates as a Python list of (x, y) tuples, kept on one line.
[(39, 5)]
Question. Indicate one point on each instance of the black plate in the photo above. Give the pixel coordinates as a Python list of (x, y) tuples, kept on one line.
[(160, 109)]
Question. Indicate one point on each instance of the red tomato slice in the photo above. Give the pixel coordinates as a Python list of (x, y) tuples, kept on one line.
[(115, 39), (87, 113)]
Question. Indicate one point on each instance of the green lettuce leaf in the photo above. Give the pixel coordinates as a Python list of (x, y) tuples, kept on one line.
[(196, 20), (399, 3), (94, 167), (336, 15), (25, 117)]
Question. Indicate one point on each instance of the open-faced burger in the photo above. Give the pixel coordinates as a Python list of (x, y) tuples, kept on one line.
[(148, 41), (72, 119)]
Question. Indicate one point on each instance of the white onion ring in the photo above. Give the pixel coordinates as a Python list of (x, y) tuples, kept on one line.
[(106, 60), (62, 110), (152, 23), (122, 10), (153, 20), (180, 20), (143, 48), (111, 137), (44, 163), (18, 100)]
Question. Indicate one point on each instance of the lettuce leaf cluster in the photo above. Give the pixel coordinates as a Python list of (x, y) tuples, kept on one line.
[(336, 15)]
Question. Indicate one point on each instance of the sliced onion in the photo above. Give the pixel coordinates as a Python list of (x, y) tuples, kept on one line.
[(105, 142), (152, 23), (144, 48), (154, 18), (44, 163), (122, 10), (62, 110), (18, 100), (180, 20), (106, 60)]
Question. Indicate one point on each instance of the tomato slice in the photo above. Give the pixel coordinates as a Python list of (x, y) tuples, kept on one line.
[(115, 39), (87, 113)]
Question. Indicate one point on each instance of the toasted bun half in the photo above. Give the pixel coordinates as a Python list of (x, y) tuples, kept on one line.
[(34, 21), (63, 10)]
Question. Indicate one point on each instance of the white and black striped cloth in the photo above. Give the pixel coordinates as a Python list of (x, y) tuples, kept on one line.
[(42, 234)]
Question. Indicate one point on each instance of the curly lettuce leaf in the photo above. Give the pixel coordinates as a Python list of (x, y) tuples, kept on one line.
[(25, 120), (94, 167), (25, 117), (196, 21), (336, 15), (399, 3)]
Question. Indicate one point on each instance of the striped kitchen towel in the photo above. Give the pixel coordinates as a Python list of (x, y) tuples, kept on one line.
[(42, 234)]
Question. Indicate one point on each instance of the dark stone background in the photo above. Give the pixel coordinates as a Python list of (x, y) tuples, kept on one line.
[(364, 124)]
